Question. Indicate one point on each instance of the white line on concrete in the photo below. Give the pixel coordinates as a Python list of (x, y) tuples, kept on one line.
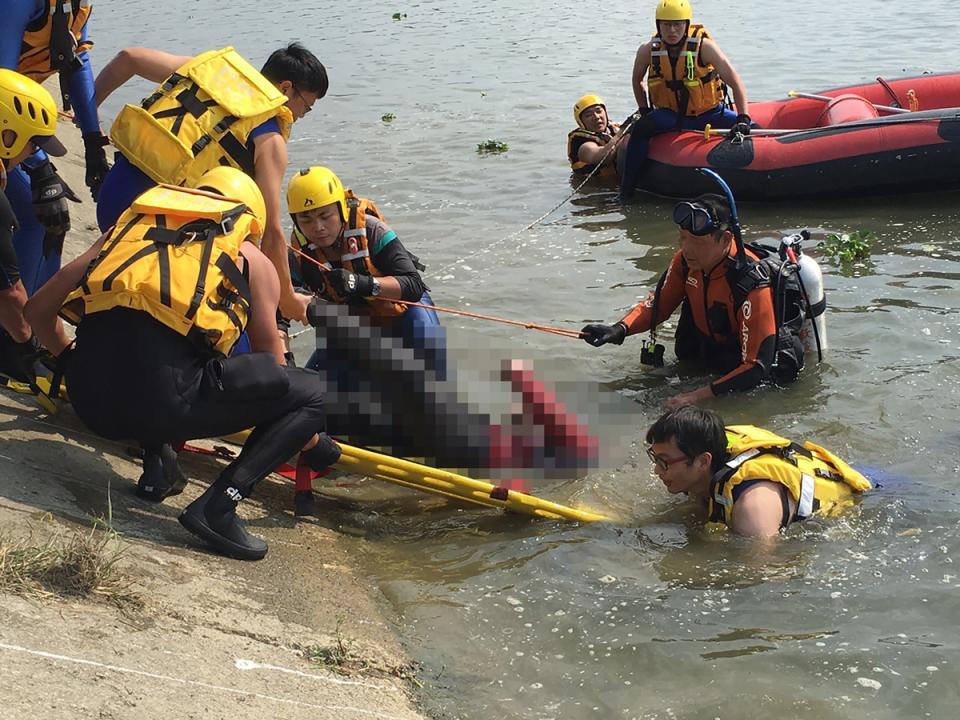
[(196, 683), (242, 664)]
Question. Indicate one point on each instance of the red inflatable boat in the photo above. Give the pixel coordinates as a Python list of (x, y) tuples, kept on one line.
[(840, 145)]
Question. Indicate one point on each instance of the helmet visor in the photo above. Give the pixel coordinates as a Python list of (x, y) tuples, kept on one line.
[(49, 144), (696, 219)]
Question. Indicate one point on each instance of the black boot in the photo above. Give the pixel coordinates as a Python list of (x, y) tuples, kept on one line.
[(162, 476), (303, 503), (213, 517)]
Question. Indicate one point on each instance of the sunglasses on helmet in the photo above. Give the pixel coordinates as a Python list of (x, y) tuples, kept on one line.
[(696, 219)]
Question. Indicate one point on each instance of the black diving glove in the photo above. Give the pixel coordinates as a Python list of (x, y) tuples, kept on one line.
[(18, 359), (95, 159), (598, 335), (350, 285), (50, 194), (743, 125)]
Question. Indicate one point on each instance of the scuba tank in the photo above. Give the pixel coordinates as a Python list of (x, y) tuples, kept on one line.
[(813, 332)]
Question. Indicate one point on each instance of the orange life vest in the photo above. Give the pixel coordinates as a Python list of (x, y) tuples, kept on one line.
[(52, 42), (686, 86), (354, 255), (578, 136)]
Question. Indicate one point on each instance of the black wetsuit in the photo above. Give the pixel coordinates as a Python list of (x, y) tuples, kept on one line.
[(130, 377)]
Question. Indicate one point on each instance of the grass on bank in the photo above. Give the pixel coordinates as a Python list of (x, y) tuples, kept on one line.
[(341, 658), (81, 564)]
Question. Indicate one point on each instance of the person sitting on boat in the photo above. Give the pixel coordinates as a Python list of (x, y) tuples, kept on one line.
[(727, 322), (346, 253), (686, 73), (138, 286), (588, 143), (748, 479)]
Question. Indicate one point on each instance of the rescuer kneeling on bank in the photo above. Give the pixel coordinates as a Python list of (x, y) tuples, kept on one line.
[(159, 302)]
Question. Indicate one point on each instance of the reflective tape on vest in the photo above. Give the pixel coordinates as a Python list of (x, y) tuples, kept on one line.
[(354, 256), (805, 504), (356, 232)]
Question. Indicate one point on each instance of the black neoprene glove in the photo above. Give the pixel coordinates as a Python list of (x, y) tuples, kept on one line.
[(95, 159), (743, 125), (598, 335), (18, 359), (50, 194), (350, 285)]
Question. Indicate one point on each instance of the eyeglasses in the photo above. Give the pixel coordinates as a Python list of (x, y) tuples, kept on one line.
[(696, 219), (661, 463), (307, 107)]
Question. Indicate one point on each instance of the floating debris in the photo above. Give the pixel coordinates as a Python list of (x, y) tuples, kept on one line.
[(492, 146)]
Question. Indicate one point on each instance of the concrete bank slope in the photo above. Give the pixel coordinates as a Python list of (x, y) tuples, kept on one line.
[(214, 638)]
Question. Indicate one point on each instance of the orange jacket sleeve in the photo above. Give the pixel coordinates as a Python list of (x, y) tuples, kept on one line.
[(639, 319)]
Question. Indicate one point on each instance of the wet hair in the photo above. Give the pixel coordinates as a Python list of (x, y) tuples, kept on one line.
[(298, 65), (695, 431), (719, 208)]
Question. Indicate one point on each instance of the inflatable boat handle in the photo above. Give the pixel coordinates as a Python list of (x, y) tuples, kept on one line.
[(824, 98)]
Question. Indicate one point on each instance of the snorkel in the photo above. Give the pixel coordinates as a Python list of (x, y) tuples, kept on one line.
[(734, 218)]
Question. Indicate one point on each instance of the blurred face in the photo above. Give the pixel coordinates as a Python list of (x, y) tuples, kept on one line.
[(704, 252), (672, 31), (322, 226), (594, 118), (679, 473)]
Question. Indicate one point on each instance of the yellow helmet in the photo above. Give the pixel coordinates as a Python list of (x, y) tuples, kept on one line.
[(314, 187), (236, 185), (674, 10), (585, 102), (27, 110)]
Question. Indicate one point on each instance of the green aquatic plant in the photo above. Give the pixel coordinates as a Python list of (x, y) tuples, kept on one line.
[(388, 117), (848, 247), (492, 146)]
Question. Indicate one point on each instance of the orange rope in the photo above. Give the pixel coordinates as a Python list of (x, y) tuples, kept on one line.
[(529, 326)]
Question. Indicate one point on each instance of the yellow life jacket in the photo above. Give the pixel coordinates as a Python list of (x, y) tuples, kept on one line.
[(199, 118), (172, 254), (355, 255), (817, 480), (687, 86), (578, 136), (52, 42)]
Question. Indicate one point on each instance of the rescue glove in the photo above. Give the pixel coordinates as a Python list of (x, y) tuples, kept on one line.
[(598, 335), (95, 159), (350, 285), (743, 125), (18, 359), (50, 194)]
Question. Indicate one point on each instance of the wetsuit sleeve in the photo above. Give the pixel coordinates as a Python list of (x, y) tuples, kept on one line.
[(639, 319), (9, 269), (16, 15), (757, 333), (82, 92), (393, 259)]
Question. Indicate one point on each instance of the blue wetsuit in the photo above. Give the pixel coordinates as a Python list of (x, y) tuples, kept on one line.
[(28, 240)]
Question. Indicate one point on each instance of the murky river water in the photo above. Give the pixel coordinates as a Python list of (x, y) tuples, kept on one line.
[(650, 617)]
